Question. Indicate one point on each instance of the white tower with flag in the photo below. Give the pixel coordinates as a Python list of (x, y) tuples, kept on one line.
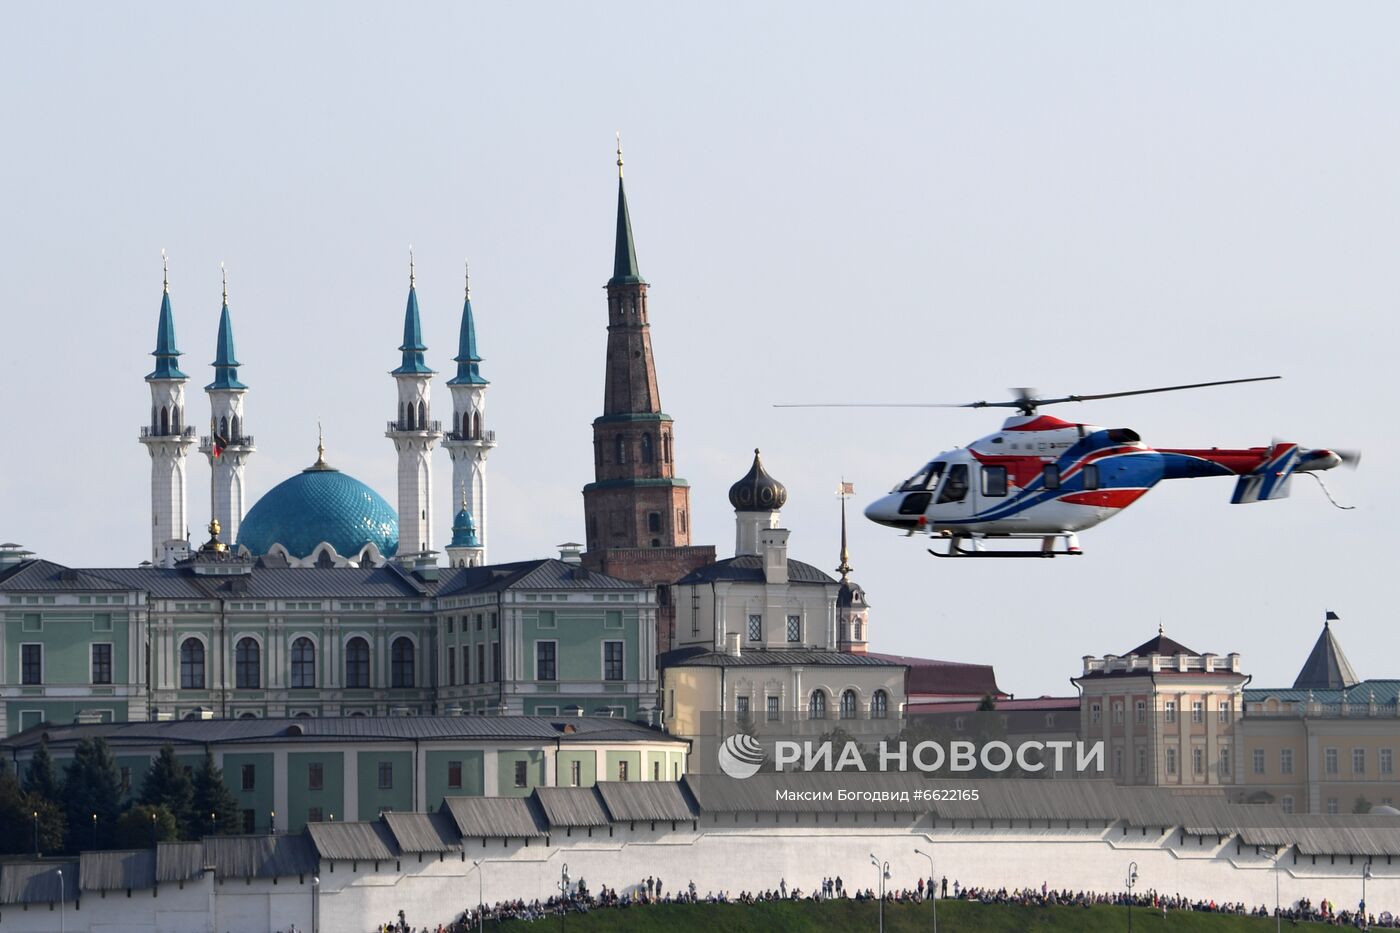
[(167, 439), (468, 442), (414, 433), (228, 444)]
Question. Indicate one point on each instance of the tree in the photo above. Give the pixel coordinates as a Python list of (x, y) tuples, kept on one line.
[(167, 784), (53, 827), (214, 803), (14, 813), (42, 777), (91, 786), (1362, 805), (143, 826)]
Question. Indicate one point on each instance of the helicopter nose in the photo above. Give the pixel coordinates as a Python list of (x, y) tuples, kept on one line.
[(883, 511)]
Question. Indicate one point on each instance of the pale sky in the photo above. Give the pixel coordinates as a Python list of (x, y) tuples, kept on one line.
[(832, 202)]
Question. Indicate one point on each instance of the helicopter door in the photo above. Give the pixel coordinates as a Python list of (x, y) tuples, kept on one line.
[(955, 499)]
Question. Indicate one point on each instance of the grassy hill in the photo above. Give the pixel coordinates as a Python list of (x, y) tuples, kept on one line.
[(842, 916)]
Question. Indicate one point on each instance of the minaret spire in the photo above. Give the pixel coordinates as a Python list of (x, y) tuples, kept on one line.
[(414, 433), (468, 442), (228, 444), (167, 438)]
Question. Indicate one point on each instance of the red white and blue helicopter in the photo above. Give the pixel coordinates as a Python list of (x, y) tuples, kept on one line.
[(1040, 478)]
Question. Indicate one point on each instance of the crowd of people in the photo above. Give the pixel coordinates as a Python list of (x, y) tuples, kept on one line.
[(650, 891)]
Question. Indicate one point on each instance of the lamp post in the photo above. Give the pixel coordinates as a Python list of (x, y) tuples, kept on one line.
[(1365, 876), (1132, 880), (563, 894), (480, 896), (272, 822), (62, 919), (315, 904), (94, 830), (155, 836), (36, 833), (884, 869), (932, 899), (1278, 904)]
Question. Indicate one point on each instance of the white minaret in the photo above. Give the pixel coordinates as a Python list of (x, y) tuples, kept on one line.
[(228, 444), (468, 442), (414, 433), (168, 440)]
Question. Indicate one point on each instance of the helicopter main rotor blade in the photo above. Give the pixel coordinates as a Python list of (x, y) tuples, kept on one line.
[(1194, 385), (1025, 400)]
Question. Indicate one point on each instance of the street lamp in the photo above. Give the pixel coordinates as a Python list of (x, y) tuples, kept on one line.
[(932, 899), (61, 918), (36, 833), (272, 821), (94, 830), (1278, 906), (884, 868), (315, 903), (1132, 880), (563, 894), (1365, 877), (480, 896)]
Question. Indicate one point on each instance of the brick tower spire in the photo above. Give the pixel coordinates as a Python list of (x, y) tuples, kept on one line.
[(637, 511)]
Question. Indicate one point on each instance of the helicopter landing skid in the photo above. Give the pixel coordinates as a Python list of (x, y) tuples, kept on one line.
[(1047, 548)]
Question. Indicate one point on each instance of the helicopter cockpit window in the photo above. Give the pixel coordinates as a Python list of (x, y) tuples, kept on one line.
[(994, 481), (926, 478), (955, 487)]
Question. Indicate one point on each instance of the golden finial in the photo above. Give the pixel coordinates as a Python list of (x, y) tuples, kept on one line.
[(164, 272), (224, 272), (410, 265), (467, 268), (320, 445), (844, 492), (619, 153)]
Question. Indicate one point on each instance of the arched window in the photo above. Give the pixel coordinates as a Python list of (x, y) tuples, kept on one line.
[(401, 663), (467, 425), (402, 423), (192, 664), (476, 426), (422, 415), (647, 455), (653, 522), (236, 427), (666, 448), (848, 704), (247, 715), (357, 663), (164, 421), (880, 705), (303, 663), (247, 668), (175, 413), (223, 427), (816, 707), (619, 450), (154, 422)]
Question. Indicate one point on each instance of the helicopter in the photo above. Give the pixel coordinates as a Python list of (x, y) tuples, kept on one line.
[(1044, 479)]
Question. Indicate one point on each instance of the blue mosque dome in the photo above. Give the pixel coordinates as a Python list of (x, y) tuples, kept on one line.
[(320, 504), (464, 530)]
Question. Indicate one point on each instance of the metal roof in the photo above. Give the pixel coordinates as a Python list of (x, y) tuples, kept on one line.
[(179, 861), (627, 801), (702, 656), (748, 568), (35, 575), (118, 870), (362, 842), (260, 856), (424, 832), (37, 882), (547, 574), (571, 807), (1358, 696), (496, 817), (1327, 667)]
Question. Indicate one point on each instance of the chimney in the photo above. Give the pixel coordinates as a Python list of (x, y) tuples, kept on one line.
[(11, 554), (570, 552), (733, 644)]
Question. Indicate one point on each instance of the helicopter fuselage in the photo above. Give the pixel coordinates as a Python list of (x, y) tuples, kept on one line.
[(1040, 476)]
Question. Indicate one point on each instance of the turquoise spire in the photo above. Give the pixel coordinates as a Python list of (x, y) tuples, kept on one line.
[(167, 365), (464, 530), (413, 345), (625, 254), (468, 373), (225, 360)]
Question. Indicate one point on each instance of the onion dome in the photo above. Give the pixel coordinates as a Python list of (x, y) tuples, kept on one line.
[(320, 504), (464, 528), (757, 491)]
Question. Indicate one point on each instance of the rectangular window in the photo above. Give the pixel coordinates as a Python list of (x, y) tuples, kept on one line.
[(386, 775), (1140, 711), (622, 770), (612, 660), (1332, 806), (1171, 711), (315, 776), (102, 663), (1198, 760), (454, 775), (575, 773), (1224, 765), (994, 481), (248, 777), (1118, 762), (1095, 712), (1050, 474), (1225, 711), (656, 770), (450, 624), (314, 815), (773, 713), (451, 667), (1141, 760), (1332, 761), (1171, 761), (755, 627), (478, 621), (1285, 761), (521, 774), (495, 655), (741, 709), (794, 628), (1358, 761), (31, 664), (1118, 712), (1287, 804), (480, 664), (545, 667), (1387, 758), (1198, 711), (1258, 761), (1091, 476)]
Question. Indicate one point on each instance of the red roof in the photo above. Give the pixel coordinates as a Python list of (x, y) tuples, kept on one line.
[(931, 677)]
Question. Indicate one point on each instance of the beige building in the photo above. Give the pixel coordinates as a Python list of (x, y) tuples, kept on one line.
[(758, 643), (1166, 714)]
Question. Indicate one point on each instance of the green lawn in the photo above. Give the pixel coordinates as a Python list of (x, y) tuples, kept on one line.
[(845, 915)]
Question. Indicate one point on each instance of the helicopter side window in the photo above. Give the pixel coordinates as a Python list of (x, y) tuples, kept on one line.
[(1051, 475), (926, 478), (1091, 476), (955, 487), (993, 480)]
